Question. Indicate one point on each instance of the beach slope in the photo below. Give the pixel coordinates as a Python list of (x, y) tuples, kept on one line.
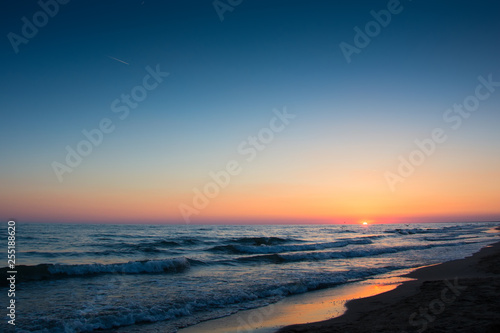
[(457, 296)]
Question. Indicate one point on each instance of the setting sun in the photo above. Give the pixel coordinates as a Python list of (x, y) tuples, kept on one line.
[(365, 223)]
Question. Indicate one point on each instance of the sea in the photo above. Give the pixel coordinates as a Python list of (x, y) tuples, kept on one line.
[(94, 277)]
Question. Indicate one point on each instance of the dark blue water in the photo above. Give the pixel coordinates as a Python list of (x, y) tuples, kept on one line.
[(81, 278)]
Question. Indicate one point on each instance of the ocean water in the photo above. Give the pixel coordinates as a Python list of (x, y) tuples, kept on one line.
[(83, 278)]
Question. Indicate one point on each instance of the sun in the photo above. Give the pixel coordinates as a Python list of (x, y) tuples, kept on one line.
[(365, 223)]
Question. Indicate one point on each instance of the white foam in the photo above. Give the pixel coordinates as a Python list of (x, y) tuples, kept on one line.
[(131, 267)]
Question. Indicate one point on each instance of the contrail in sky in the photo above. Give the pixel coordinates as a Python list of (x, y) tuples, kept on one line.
[(126, 63)]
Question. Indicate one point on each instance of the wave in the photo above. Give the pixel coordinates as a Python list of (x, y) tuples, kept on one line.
[(263, 249), (317, 256), (152, 247), (411, 231), (54, 271), (128, 314), (156, 243), (131, 267), (120, 252), (338, 230), (191, 241), (444, 238), (157, 246), (261, 240)]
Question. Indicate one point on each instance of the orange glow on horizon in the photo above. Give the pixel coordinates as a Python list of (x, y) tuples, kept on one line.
[(248, 203)]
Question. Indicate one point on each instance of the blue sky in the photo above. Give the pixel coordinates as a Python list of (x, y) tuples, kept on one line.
[(225, 79)]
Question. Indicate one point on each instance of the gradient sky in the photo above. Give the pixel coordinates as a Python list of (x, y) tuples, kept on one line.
[(353, 120)]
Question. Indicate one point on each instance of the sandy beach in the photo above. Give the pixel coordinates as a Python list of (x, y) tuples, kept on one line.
[(457, 296)]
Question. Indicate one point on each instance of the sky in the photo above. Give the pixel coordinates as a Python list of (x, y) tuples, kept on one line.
[(246, 111)]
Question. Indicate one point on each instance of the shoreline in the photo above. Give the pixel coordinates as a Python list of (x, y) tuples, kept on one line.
[(308, 307), (445, 297), (346, 303), (337, 309)]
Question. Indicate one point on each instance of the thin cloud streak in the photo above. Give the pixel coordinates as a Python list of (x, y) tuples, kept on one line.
[(126, 63)]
